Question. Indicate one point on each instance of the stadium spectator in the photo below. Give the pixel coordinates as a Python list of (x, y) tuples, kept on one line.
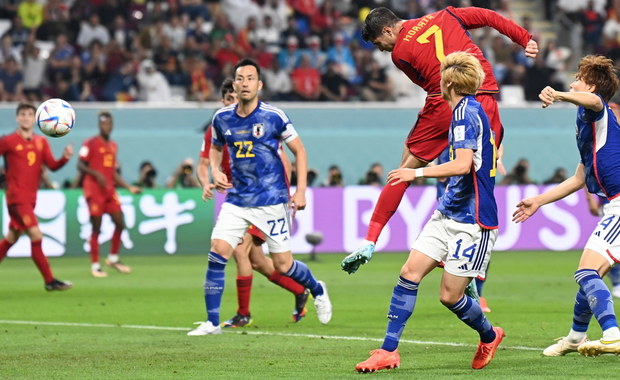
[(342, 56), (270, 34), (121, 85), (183, 176), (201, 87), (91, 31), (376, 85), (31, 13), (315, 53), (19, 33), (195, 9), (334, 177), (153, 85), (176, 32), (519, 175), (278, 83), (306, 81), (11, 81), (277, 10), (559, 176), (247, 39), (34, 72), (60, 58), (8, 50), (374, 176), (290, 56), (333, 85), (291, 30)]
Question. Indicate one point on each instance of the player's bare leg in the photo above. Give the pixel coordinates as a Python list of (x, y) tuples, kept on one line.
[(386, 206), (113, 259), (298, 271), (95, 266), (264, 265), (241, 254)]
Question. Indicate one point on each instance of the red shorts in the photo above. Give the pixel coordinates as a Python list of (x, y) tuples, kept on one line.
[(22, 216), (252, 230), (103, 203), (429, 136)]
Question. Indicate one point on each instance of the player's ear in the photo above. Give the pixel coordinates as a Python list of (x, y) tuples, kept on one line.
[(386, 30), (260, 84)]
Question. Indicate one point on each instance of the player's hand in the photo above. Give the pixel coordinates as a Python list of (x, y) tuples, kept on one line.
[(134, 189), (531, 49), (525, 209), (68, 151), (547, 96), (220, 181), (352, 262), (501, 168), (207, 192), (400, 175), (298, 201)]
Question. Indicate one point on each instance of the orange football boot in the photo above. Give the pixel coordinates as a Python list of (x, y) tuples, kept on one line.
[(486, 351), (379, 359)]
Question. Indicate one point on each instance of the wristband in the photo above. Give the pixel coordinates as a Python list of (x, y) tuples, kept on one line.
[(419, 173)]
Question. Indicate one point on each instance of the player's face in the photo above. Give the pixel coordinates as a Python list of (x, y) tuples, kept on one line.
[(105, 127), (579, 85), (385, 41), (247, 84), (25, 118), (229, 98)]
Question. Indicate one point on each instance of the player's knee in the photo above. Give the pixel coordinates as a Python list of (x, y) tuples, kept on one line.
[(410, 274), (448, 299)]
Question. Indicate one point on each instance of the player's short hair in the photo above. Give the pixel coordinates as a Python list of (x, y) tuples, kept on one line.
[(25, 106), (104, 115), (226, 87), (247, 62), (599, 71), (376, 20), (463, 71)]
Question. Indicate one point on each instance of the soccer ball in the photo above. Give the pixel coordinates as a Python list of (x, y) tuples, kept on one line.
[(55, 117)]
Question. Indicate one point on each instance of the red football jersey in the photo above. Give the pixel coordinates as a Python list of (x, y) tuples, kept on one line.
[(100, 155), (423, 43), (204, 152), (23, 161)]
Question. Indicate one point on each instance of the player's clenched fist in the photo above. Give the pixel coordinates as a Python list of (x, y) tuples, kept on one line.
[(547, 96)]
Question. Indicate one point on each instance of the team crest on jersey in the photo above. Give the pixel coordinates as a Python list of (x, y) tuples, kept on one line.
[(19, 147), (258, 130)]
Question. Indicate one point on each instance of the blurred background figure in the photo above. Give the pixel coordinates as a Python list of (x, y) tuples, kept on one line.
[(183, 176), (148, 173)]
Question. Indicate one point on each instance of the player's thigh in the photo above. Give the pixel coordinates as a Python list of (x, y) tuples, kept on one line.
[(431, 243), (490, 107), (96, 205), (429, 136), (22, 216), (591, 259), (274, 222), (604, 241), (469, 249), (230, 227), (452, 288)]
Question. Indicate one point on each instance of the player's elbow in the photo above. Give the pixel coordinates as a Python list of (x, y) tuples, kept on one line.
[(462, 168)]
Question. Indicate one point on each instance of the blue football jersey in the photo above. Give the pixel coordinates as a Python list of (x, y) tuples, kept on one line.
[(598, 140), (469, 198), (443, 157), (258, 175)]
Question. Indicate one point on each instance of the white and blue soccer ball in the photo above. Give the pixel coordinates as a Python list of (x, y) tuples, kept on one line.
[(55, 117)]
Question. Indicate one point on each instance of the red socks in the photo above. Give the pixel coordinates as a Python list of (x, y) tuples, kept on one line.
[(386, 207), (94, 248), (4, 248), (244, 291), (286, 282), (41, 261), (115, 244)]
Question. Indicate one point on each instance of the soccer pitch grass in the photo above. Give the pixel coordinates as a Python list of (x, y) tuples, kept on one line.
[(133, 326)]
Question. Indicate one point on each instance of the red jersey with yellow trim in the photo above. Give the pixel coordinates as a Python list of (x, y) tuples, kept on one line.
[(204, 152), (23, 161), (423, 43), (100, 155)]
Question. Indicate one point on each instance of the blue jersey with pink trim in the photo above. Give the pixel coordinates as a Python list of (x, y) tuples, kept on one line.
[(469, 198), (258, 175), (598, 140)]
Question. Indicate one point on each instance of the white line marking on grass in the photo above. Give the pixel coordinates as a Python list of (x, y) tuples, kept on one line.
[(246, 332)]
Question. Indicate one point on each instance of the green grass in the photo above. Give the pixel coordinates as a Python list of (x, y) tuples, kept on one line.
[(531, 294)]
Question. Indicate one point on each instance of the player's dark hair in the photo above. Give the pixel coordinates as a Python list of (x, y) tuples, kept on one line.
[(104, 115), (226, 87), (247, 62), (376, 20), (25, 106), (599, 71)]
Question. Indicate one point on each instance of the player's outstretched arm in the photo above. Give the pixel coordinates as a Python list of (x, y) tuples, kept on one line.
[(528, 207), (461, 165), (52, 163), (202, 175), (118, 180), (584, 99)]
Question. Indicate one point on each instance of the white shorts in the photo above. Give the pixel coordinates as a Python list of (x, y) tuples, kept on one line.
[(273, 221), (464, 248), (604, 239)]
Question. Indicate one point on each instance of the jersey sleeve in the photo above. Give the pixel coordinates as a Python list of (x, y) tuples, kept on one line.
[(49, 160), (473, 18), (3, 145), (216, 130), (288, 132), (465, 133), (588, 116), (84, 152), (206, 143)]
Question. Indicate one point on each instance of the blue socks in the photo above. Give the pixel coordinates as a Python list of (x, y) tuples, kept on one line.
[(470, 312), (581, 312), (214, 287), (598, 297), (401, 307), (301, 273)]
